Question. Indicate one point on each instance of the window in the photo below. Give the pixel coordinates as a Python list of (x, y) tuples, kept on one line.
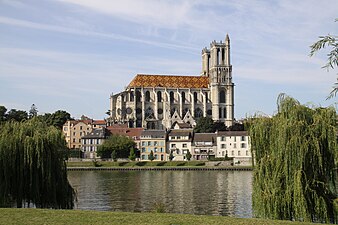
[(73, 133), (143, 157), (195, 97), (173, 145), (232, 153), (243, 138), (155, 143), (172, 97), (222, 153), (159, 96), (235, 146), (224, 112), (149, 143), (183, 97), (239, 153), (138, 96), (65, 128), (155, 149), (143, 143), (222, 96), (223, 138), (131, 96), (80, 133), (243, 145), (173, 138), (247, 153), (178, 138), (184, 145), (235, 138), (80, 127), (223, 145), (73, 139), (143, 149), (147, 96)]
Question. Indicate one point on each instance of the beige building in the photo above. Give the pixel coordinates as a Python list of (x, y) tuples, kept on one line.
[(161, 101), (155, 141), (74, 130), (204, 146)]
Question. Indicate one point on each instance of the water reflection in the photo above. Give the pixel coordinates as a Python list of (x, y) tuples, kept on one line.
[(193, 192)]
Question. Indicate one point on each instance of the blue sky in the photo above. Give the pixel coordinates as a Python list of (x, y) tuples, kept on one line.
[(72, 54)]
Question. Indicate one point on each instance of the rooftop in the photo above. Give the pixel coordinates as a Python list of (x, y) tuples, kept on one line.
[(169, 81)]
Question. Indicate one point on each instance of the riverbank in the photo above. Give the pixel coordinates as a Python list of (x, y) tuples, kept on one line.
[(46, 216), (174, 165)]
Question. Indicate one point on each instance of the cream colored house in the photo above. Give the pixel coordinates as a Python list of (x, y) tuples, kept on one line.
[(179, 143), (234, 144), (153, 140), (74, 130)]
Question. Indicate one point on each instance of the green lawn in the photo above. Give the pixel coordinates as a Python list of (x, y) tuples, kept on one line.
[(135, 164), (45, 216)]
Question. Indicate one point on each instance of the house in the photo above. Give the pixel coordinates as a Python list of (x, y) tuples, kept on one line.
[(204, 146), (235, 144), (155, 141), (91, 141), (179, 143)]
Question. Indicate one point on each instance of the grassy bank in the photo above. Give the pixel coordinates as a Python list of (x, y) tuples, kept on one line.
[(50, 217), (134, 164)]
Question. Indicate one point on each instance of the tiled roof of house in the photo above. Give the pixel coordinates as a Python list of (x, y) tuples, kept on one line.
[(232, 133), (125, 131), (169, 81), (154, 133), (205, 137), (99, 122), (186, 132), (96, 133)]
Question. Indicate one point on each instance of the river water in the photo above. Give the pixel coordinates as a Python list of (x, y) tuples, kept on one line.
[(226, 193)]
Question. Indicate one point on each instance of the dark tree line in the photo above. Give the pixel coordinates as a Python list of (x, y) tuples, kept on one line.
[(207, 125), (57, 119)]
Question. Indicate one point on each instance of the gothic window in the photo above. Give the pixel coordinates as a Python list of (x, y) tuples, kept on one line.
[(220, 113), (195, 97), (206, 97), (131, 96), (224, 113), (159, 96), (138, 96), (198, 113), (172, 97), (147, 96), (183, 97), (222, 96)]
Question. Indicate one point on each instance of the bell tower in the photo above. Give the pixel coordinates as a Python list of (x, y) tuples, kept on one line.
[(216, 65)]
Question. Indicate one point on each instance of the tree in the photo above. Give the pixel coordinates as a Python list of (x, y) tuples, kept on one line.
[(188, 155), (295, 153), (3, 111), (33, 169), (33, 111), (171, 156), (132, 155), (114, 156), (58, 118), (17, 115), (332, 57), (120, 144), (151, 156), (204, 125)]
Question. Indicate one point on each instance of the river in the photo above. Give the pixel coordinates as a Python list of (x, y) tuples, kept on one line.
[(226, 193)]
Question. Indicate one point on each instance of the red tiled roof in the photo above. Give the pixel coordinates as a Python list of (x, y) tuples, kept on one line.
[(125, 131), (169, 81), (102, 122)]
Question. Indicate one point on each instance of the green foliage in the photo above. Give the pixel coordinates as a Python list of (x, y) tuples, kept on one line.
[(295, 153), (171, 156), (113, 156), (32, 165), (33, 111), (159, 207), (330, 41), (151, 156), (3, 111), (16, 115), (204, 125), (188, 155), (120, 144), (132, 155)]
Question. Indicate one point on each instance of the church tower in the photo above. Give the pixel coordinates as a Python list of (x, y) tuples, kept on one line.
[(216, 65)]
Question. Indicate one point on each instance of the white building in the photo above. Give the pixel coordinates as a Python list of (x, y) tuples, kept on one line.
[(234, 144)]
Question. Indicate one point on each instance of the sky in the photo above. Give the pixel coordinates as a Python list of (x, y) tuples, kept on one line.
[(73, 54)]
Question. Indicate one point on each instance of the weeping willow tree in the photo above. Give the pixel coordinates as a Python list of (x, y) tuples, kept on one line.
[(33, 169), (295, 153)]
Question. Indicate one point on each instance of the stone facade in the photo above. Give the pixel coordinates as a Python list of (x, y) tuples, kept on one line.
[(161, 101)]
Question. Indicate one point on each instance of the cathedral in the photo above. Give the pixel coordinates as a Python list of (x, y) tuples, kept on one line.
[(162, 101)]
